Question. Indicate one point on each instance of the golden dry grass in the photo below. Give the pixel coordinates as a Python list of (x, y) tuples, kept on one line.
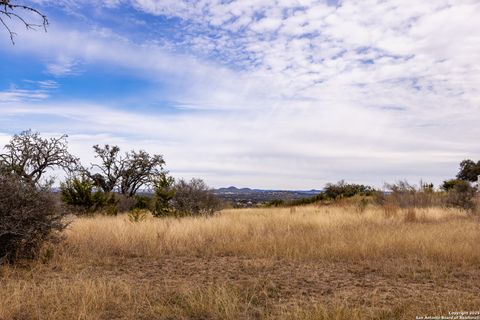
[(307, 263), (437, 235)]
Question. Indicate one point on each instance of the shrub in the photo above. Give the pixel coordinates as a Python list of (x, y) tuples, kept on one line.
[(405, 195), (344, 190), (462, 196), (194, 198), (143, 202), (82, 196), (448, 185), (331, 194), (28, 218), (279, 203), (184, 198), (124, 203)]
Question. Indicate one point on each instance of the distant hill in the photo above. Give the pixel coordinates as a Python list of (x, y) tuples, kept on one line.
[(246, 197)]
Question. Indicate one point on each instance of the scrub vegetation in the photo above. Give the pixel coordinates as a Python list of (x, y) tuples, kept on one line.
[(312, 262), (101, 249)]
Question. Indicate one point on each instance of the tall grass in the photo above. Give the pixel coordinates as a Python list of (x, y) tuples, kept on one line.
[(74, 280), (446, 235), (99, 298)]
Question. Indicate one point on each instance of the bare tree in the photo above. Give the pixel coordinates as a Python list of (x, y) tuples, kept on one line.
[(194, 198), (110, 168), (11, 10), (29, 156), (140, 168), (129, 172)]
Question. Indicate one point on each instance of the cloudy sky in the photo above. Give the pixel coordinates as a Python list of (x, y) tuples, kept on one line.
[(286, 94)]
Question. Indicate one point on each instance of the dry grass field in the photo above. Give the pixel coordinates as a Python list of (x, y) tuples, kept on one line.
[(280, 263)]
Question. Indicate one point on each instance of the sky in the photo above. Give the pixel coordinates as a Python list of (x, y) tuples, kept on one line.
[(274, 94)]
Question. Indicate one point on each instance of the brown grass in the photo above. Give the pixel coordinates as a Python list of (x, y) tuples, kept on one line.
[(446, 236), (306, 263)]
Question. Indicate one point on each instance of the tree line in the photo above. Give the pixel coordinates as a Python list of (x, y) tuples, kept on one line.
[(31, 214)]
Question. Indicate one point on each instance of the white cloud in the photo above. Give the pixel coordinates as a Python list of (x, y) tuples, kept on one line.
[(302, 92), (63, 66), (17, 95)]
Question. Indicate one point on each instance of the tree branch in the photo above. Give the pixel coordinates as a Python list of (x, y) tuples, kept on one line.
[(8, 10)]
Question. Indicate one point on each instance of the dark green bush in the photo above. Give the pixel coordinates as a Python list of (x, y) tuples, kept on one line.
[(344, 190), (143, 202), (448, 185), (84, 198), (163, 198)]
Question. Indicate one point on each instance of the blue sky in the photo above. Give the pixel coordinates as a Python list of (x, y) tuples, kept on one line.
[(287, 94)]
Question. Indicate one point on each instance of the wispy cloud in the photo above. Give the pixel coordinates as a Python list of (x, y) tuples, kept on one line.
[(292, 93), (17, 95), (62, 67)]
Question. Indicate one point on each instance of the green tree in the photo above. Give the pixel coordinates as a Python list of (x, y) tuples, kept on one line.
[(164, 193), (469, 170)]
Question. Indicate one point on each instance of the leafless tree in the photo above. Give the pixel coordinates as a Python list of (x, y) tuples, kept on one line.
[(194, 198), (110, 167), (140, 168), (11, 10), (29, 156), (129, 172)]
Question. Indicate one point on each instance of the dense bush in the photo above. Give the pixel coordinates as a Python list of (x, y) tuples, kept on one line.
[(194, 198), (332, 193), (84, 198), (344, 190), (184, 198), (143, 202), (462, 196), (448, 185), (28, 218)]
